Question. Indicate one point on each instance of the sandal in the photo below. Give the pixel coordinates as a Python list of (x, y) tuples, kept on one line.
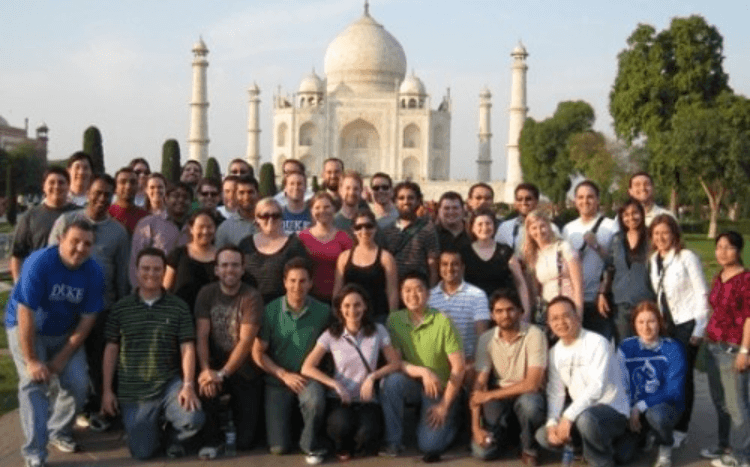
[(208, 452)]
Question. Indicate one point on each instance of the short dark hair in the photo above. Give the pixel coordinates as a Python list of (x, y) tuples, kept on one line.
[(300, 165), (589, 184), (414, 274), (641, 173), (562, 299), (214, 182), (505, 293), (298, 262), (78, 223), (483, 211), (243, 161), (382, 175), (210, 213), (367, 325), (452, 251), (334, 159), (139, 160), (530, 187), (480, 185), (450, 196), (151, 251), (191, 161), (408, 185), (179, 186), (230, 247), (124, 170), (231, 178), (106, 178), (248, 180), (54, 170), (80, 156)]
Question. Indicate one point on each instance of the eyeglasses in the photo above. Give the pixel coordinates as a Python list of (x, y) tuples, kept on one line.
[(141, 172), (525, 199), (269, 215), (381, 187), (239, 172), (367, 225), (208, 193)]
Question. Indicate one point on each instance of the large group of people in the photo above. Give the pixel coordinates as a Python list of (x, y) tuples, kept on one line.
[(200, 315)]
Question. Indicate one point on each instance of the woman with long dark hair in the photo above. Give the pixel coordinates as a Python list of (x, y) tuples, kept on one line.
[(355, 342), (728, 345), (626, 281), (682, 295)]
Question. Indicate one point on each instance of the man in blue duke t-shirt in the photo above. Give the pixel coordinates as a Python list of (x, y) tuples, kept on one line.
[(50, 312)]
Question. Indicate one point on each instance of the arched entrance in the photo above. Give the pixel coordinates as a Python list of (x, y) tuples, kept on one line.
[(360, 147)]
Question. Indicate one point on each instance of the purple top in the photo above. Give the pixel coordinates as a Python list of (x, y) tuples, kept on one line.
[(350, 371)]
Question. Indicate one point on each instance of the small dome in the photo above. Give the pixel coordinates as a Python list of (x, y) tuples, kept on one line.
[(412, 85), (366, 57), (200, 47), (485, 93), (43, 128), (311, 84), (254, 88), (520, 50), (3, 122)]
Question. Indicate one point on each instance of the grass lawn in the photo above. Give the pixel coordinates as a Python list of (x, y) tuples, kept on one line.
[(704, 247), (8, 376)]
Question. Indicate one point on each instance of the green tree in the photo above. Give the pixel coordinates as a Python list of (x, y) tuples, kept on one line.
[(170, 160), (212, 168), (592, 158), (545, 157), (657, 74), (314, 184), (11, 213), (267, 181), (92, 145), (28, 163)]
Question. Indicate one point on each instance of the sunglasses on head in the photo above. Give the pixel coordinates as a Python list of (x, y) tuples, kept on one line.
[(269, 215)]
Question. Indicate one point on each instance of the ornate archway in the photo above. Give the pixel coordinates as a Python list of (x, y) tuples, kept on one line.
[(360, 147)]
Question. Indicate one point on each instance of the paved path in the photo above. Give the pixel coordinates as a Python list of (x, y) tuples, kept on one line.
[(108, 450)]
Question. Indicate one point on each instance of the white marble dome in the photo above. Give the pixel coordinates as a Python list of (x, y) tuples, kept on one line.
[(366, 58), (412, 85), (3, 122), (311, 84), (520, 50)]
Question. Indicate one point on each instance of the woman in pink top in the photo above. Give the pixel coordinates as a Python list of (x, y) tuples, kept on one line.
[(324, 243)]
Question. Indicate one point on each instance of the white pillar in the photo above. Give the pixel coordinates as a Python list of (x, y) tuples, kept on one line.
[(198, 137), (484, 161), (253, 128), (518, 110)]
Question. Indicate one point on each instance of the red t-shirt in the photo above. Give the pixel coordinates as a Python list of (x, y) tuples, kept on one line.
[(731, 304), (127, 217), (324, 256)]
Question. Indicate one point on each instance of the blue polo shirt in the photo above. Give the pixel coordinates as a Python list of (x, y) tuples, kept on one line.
[(57, 295)]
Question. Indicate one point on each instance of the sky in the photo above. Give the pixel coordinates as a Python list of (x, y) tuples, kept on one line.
[(126, 66)]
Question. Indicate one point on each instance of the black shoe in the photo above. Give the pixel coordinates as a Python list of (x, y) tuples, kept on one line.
[(431, 457)]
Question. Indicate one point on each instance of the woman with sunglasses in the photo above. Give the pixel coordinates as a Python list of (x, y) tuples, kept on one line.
[(490, 265), (728, 346), (267, 251), (369, 266), (156, 189), (191, 266), (355, 342), (324, 243)]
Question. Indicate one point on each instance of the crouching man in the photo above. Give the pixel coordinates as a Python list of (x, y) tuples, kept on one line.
[(144, 332)]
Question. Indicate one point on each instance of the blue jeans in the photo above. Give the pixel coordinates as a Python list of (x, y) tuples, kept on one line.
[(529, 409), (599, 426), (398, 389), (729, 393), (143, 421), (44, 415), (280, 407)]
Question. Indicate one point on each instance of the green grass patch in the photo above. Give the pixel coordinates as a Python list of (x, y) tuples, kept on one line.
[(705, 247), (6, 227)]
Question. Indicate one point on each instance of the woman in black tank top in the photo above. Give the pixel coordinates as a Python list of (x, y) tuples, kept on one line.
[(369, 266)]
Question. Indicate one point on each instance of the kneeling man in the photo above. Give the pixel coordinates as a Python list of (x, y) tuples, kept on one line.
[(583, 364), (514, 354), (144, 332)]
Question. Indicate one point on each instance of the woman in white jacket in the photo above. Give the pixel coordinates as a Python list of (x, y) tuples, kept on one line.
[(681, 292)]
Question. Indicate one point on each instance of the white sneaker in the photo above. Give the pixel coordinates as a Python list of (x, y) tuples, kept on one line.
[(663, 462), (315, 458), (679, 438), (727, 460)]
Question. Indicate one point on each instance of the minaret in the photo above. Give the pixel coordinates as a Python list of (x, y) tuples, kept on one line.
[(253, 127), (518, 111), (198, 138), (484, 161)]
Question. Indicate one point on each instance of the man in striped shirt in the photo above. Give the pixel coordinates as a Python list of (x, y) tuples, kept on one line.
[(143, 332)]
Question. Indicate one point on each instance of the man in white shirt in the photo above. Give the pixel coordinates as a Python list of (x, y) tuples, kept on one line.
[(591, 235), (641, 187), (511, 232), (583, 364)]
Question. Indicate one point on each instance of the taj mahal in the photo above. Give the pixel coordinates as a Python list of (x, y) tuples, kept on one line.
[(368, 112)]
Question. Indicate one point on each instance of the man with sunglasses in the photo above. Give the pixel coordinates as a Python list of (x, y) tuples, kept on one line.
[(209, 193), (385, 211)]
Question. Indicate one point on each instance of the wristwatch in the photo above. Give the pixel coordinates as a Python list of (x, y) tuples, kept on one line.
[(222, 374)]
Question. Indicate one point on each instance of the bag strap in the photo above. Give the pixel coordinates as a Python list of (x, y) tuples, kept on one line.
[(559, 269), (593, 231), (359, 352), (410, 232)]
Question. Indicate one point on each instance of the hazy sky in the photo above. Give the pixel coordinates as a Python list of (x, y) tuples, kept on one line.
[(124, 66)]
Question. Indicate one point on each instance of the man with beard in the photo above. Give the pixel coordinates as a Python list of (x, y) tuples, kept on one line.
[(514, 354), (412, 241), (163, 233), (242, 223), (332, 170), (228, 314), (111, 250), (385, 211), (124, 209), (350, 191), (451, 229)]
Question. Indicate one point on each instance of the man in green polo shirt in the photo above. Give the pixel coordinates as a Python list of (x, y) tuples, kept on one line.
[(432, 372), (290, 328)]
